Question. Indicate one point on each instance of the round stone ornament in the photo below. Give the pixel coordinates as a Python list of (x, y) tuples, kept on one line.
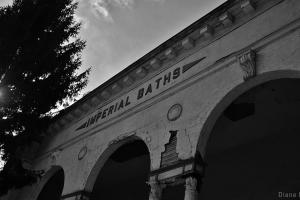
[(174, 112), (82, 153)]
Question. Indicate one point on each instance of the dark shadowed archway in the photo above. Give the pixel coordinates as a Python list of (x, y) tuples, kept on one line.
[(53, 187), (124, 174), (253, 148)]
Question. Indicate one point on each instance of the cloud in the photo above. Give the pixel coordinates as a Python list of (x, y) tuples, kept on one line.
[(5, 2), (103, 8), (100, 9), (157, 1), (123, 3)]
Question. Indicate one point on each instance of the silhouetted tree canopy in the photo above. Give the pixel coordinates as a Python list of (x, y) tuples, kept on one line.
[(40, 54)]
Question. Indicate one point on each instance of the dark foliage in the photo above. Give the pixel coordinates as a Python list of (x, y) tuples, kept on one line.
[(39, 57)]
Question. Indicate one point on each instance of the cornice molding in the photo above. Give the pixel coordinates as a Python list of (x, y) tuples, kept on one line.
[(200, 32), (218, 65)]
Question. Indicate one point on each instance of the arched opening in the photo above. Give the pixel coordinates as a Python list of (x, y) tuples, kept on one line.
[(53, 187), (252, 151), (124, 174)]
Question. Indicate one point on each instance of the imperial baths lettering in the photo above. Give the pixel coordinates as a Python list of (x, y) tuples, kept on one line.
[(107, 111), (156, 84), (161, 81)]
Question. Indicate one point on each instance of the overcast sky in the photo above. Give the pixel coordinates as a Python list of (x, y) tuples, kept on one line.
[(118, 32)]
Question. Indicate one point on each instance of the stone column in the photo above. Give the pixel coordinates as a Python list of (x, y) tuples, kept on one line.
[(191, 192), (155, 190)]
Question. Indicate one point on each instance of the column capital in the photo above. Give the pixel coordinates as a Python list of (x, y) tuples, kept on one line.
[(82, 197), (191, 192), (155, 189), (77, 195), (191, 183)]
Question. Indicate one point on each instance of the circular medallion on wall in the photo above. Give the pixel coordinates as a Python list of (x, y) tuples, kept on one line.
[(82, 153), (174, 112)]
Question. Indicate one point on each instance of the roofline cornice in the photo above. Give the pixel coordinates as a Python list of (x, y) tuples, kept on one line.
[(203, 30)]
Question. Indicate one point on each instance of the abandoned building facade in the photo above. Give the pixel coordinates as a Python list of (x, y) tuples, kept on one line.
[(211, 113)]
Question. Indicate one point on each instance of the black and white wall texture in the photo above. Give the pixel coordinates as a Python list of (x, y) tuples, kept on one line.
[(212, 113)]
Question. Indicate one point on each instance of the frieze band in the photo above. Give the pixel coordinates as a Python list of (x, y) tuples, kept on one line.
[(164, 80)]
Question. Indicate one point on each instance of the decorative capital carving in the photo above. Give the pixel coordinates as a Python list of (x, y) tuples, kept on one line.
[(54, 156), (82, 197), (191, 192), (191, 183), (155, 190), (248, 64)]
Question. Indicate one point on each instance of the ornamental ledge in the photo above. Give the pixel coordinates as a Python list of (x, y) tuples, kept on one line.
[(191, 37)]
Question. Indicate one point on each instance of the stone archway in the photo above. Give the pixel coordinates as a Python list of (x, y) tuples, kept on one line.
[(122, 172), (233, 94), (252, 151), (52, 184)]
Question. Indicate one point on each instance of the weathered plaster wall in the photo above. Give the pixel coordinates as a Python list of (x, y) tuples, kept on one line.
[(275, 39)]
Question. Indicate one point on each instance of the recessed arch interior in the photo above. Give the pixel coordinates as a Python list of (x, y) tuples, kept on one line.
[(124, 173), (233, 94), (53, 187), (252, 151)]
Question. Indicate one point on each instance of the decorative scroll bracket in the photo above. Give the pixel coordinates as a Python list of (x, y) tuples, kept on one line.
[(248, 64)]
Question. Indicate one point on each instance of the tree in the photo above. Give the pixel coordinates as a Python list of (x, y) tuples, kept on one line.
[(40, 55)]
